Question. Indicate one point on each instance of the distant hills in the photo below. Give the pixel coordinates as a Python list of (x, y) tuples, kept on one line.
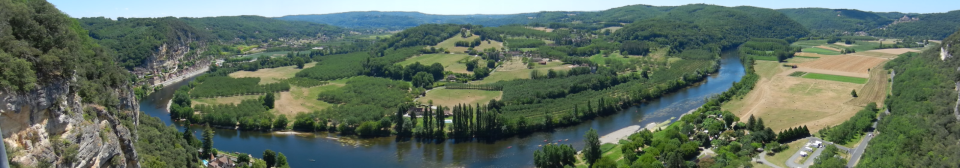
[(391, 20), (817, 20)]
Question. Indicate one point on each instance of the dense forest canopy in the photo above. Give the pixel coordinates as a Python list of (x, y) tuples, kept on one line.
[(137, 39), (921, 129), (39, 45), (389, 20), (822, 20), (933, 26)]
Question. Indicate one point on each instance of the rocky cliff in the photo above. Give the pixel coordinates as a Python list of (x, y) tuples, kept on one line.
[(166, 63), (51, 126)]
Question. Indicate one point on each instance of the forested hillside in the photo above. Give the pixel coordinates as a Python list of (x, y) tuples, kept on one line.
[(390, 20), (933, 26), (137, 39), (921, 129), (53, 76), (834, 21)]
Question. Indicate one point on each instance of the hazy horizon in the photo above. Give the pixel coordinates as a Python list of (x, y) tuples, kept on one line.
[(176, 8)]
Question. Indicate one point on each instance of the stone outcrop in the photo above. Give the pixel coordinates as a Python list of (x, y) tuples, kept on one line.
[(51, 125), (165, 63)]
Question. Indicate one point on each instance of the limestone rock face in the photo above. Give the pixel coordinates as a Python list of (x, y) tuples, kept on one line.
[(51, 126)]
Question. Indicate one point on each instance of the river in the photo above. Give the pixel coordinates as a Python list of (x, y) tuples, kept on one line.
[(330, 150)]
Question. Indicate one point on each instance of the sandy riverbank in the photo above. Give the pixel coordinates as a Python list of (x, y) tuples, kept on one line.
[(615, 136)]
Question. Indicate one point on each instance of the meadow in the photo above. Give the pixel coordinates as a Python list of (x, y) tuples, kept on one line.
[(835, 78), (452, 97), (820, 51), (449, 61)]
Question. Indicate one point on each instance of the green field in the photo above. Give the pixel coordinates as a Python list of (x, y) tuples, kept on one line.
[(806, 57), (836, 78), (764, 58), (449, 61), (528, 49), (450, 44), (599, 59), (863, 46), (821, 51), (798, 74), (520, 73), (809, 43), (451, 97)]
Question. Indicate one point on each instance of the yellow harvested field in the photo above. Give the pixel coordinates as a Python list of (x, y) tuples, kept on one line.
[(875, 90), (785, 102), (541, 29), (806, 54), (300, 99), (452, 97), (896, 51), (843, 44), (844, 63), (272, 75)]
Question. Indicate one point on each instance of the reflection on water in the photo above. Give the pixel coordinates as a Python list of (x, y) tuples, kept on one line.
[(330, 150)]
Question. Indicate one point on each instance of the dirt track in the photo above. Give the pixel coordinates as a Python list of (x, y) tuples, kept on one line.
[(784, 101), (875, 90)]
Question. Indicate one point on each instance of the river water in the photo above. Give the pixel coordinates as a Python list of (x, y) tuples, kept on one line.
[(330, 150)]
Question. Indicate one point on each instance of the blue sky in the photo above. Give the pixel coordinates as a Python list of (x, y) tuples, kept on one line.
[(274, 8)]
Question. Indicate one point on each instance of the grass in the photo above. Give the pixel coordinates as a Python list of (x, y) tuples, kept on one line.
[(798, 74), (612, 29), (852, 143), (515, 69), (806, 57), (821, 51), (449, 61), (528, 49), (371, 37), (836, 78), (451, 97), (223, 100), (764, 58), (767, 69), (599, 59), (809, 43), (272, 75), (864, 46), (450, 44), (781, 158)]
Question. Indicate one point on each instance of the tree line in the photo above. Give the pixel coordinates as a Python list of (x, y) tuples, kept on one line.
[(218, 86)]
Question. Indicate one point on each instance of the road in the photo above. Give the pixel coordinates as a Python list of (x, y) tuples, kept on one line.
[(855, 153)]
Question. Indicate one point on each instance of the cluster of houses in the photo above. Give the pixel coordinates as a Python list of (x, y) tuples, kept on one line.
[(809, 147), (418, 111), (223, 161)]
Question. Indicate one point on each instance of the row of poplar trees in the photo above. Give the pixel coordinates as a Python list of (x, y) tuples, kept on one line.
[(468, 122)]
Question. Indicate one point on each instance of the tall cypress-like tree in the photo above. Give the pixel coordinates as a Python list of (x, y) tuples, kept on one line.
[(592, 149), (268, 100), (759, 126), (207, 141), (401, 109), (270, 157)]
